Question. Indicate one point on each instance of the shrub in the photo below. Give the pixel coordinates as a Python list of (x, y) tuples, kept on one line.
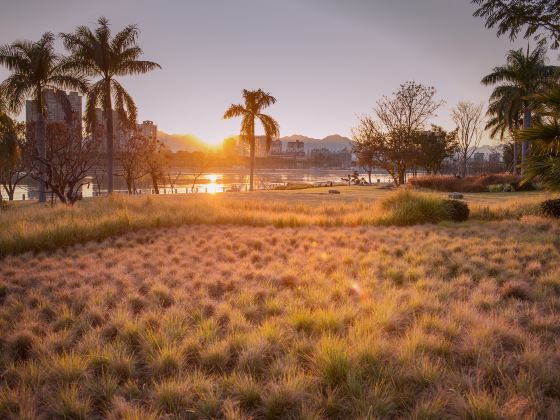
[(551, 208), (458, 210), (479, 183), (409, 208)]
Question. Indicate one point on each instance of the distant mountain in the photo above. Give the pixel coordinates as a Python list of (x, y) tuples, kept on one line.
[(332, 142), (187, 142)]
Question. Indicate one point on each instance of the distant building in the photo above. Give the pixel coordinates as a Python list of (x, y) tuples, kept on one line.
[(296, 148), (276, 147), (121, 133), (148, 130), (58, 104), (261, 147)]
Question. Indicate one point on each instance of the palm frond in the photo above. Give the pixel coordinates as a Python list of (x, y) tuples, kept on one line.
[(96, 97), (127, 68), (124, 104), (271, 128), (125, 38), (234, 111)]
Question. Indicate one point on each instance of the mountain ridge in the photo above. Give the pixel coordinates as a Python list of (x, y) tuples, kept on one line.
[(190, 142)]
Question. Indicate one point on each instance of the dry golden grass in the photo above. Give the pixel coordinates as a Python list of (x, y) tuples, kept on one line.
[(34, 228), (445, 321)]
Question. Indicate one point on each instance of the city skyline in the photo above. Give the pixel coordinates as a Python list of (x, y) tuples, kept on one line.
[(326, 62)]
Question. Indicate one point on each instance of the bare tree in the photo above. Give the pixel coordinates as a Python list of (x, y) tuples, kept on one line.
[(132, 162), (155, 161), (172, 180), (99, 177), (391, 135), (198, 165), (367, 144), (468, 118), (68, 160)]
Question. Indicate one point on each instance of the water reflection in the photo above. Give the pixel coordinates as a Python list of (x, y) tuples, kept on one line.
[(219, 182)]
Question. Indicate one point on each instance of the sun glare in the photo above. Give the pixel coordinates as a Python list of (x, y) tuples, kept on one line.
[(213, 177)]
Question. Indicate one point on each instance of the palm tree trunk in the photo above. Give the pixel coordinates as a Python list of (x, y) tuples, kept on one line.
[(110, 138), (42, 150), (525, 145), (252, 157), (252, 170)]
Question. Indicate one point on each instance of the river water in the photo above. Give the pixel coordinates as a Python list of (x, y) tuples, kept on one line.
[(220, 181)]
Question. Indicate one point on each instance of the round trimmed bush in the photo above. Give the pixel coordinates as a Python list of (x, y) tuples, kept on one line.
[(551, 208), (458, 210)]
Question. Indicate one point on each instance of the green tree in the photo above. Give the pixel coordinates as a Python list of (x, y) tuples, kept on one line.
[(544, 162), (98, 54), (35, 66), (255, 102), (533, 18), (524, 74), (434, 146)]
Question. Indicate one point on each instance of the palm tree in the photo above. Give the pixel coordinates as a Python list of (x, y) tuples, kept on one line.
[(255, 101), (505, 113), (35, 67), (544, 162), (97, 54), (523, 75)]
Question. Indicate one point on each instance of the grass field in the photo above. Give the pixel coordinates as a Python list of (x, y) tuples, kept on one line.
[(448, 321), (283, 304), (31, 227)]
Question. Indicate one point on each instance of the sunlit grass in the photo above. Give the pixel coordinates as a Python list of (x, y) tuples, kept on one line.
[(34, 228), (225, 321)]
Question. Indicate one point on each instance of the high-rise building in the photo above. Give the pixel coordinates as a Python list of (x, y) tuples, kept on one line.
[(148, 130), (58, 104), (120, 133)]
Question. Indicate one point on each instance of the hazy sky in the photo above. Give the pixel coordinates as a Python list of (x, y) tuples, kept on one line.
[(324, 60)]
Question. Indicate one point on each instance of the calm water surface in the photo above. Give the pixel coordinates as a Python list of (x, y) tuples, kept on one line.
[(221, 181)]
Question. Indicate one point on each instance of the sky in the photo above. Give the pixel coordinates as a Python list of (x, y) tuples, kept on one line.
[(325, 61)]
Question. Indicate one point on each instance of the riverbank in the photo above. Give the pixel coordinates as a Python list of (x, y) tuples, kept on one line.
[(27, 226)]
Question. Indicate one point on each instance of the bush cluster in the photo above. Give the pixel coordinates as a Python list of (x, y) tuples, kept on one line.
[(551, 208), (458, 210), (480, 183), (406, 207)]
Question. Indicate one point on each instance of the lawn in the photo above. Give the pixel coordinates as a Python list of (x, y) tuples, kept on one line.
[(236, 321), (31, 227)]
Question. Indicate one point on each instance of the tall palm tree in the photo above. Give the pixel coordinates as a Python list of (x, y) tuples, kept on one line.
[(544, 162), (524, 74), (505, 113), (255, 102), (34, 67), (98, 54)]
